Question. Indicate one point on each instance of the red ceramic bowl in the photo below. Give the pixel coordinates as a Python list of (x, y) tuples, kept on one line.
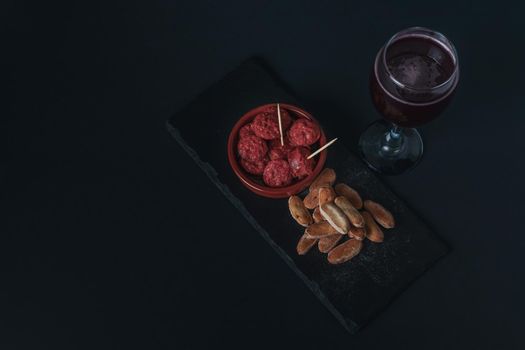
[(250, 181)]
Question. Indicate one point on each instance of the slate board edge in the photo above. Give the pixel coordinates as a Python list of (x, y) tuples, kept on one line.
[(350, 326)]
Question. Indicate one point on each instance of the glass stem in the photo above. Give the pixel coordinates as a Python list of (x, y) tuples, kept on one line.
[(392, 141)]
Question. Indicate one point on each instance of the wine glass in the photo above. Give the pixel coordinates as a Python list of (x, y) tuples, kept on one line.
[(413, 79)]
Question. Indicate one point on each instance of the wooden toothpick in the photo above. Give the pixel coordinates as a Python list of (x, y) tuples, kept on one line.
[(322, 148), (280, 124)]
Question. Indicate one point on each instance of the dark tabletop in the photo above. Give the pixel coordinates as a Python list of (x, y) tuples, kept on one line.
[(100, 207)]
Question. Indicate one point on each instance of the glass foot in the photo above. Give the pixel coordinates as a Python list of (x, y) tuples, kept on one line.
[(390, 151)]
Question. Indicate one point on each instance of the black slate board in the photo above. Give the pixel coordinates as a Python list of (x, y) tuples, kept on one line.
[(354, 291)]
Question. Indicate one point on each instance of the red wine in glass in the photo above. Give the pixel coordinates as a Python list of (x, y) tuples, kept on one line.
[(412, 81)]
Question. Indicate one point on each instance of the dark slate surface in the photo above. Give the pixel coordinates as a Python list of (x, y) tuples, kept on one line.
[(355, 291)]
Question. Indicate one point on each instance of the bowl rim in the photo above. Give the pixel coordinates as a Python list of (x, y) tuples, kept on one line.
[(263, 190)]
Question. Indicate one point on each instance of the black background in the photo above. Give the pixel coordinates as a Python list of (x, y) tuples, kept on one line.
[(102, 242)]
